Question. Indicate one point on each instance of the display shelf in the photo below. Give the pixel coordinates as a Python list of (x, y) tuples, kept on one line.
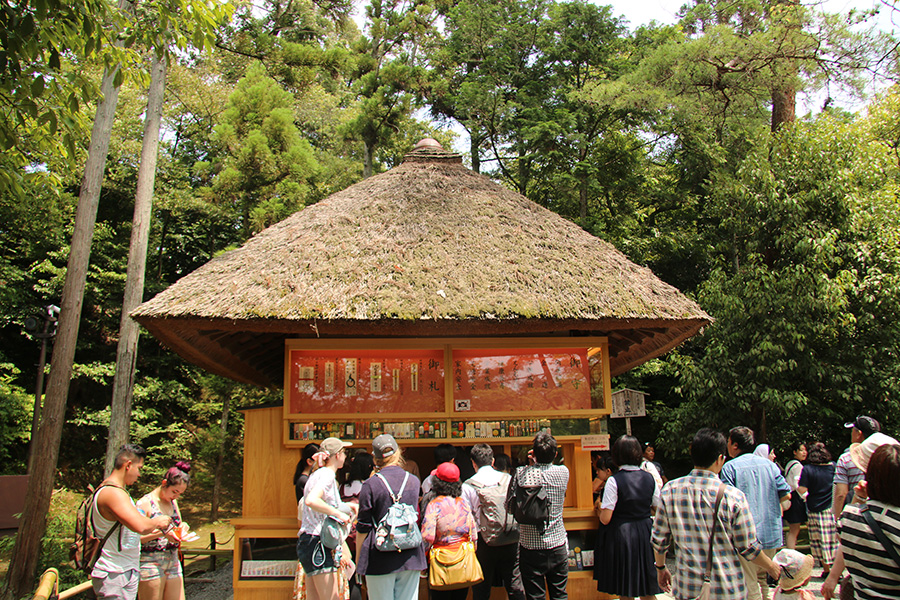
[(305, 431), (301, 432)]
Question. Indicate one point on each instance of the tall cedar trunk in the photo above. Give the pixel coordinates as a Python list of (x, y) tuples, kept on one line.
[(220, 460), (474, 143), (21, 575), (126, 353)]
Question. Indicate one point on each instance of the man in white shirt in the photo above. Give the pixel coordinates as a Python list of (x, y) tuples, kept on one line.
[(498, 531)]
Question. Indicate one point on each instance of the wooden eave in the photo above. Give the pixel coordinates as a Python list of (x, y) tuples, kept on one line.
[(252, 351)]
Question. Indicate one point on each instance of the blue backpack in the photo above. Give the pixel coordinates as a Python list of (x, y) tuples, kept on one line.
[(398, 529)]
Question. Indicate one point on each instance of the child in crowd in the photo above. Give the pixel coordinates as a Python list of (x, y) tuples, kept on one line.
[(796, 570)]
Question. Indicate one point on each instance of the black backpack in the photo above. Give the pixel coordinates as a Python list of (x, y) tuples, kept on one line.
[(529, 504)]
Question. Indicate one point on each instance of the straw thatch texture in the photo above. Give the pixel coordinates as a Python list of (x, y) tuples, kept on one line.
[(428, 248)]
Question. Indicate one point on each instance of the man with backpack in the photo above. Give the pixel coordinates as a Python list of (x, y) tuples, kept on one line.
[(115, 519), (536, 498), (498, 531)]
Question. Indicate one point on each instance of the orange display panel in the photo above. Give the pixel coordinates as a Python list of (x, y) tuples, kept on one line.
[(365, 381), (544, 380)]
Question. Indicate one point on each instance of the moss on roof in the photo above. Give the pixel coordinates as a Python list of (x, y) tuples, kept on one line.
[(428, 239)]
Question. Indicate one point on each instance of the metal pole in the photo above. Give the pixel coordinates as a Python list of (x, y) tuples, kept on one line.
[(38, 393)]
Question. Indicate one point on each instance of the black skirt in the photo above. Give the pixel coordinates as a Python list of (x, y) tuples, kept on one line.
[(623, 559), (797, 512)]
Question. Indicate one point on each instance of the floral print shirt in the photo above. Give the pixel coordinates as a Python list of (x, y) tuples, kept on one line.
[(448, 521)]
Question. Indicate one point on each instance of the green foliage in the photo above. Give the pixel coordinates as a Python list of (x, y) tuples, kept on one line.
[(42, 99), (805, 293), (16, 407), (55, 542), (267, 166), (658, 140)]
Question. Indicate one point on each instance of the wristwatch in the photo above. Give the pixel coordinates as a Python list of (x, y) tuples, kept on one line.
[(659, 567)]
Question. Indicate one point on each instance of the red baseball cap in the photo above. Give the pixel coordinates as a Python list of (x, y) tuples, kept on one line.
[(447, 471)]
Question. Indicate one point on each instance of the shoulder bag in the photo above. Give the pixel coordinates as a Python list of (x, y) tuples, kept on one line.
[(454, 567), (876, 529), (704, 590), (847, 592)]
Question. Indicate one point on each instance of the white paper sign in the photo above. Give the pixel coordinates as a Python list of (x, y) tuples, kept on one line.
[(598, 441)]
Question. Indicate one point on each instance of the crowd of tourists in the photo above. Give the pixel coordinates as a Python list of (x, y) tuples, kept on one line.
[(465, 535), (725, 518), (370, 521)]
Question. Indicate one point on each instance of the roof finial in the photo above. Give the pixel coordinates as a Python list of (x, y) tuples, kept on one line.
[(430, 150), (428, 142)]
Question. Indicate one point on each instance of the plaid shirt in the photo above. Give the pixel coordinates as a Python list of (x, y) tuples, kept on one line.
[(555, 479), (685, 519)]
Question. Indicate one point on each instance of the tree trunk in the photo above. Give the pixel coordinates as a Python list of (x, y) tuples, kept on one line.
[(126, 353), (220, 460), (583, 200), (522, 169), (368, 151), (474, 143), (22, 566), (784, 107)]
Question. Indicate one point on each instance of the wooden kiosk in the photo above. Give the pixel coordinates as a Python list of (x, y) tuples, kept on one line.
[(430, 303)]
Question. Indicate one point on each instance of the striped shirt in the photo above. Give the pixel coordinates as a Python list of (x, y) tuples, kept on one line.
[(684, 519), (555, 479), (846, 472), (875, 574)]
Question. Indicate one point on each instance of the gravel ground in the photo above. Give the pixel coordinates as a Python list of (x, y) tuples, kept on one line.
[(219, 588)]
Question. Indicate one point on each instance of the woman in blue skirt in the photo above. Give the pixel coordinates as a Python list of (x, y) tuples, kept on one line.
[(623, 559)]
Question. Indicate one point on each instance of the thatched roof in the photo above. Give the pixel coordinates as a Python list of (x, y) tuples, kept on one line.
[(427, 249)]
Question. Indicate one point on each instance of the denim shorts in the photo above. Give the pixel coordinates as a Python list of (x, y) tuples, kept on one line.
[(160, 562), (314, 556)]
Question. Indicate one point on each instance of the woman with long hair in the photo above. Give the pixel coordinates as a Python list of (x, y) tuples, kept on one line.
[(322, 499), (448, 520), (624, 564), (161, 573), (304, 468), (816, 483), (796, 514), (389, 575)]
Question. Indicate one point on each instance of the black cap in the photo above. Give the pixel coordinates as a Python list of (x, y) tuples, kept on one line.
[(866, 425)]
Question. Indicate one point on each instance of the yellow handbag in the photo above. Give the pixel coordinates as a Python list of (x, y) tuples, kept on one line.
[(451, 568)]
